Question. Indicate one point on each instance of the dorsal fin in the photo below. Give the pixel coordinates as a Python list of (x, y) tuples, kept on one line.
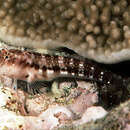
[(63, 51)]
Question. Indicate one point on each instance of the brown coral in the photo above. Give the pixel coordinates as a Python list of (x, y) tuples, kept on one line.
[(65, 22)]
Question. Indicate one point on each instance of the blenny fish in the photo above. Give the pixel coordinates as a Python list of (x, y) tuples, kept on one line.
[(32, 67)]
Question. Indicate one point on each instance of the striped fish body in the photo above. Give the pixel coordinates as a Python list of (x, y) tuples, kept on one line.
[(31, 66), (34, 69)]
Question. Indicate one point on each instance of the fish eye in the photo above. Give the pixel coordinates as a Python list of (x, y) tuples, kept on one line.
[(6, 57), (26, 76)]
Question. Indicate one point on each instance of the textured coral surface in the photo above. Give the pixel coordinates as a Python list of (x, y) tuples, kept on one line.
[(117, 119), (97, 29)]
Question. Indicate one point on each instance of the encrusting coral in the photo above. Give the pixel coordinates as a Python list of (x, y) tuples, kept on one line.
[(117, 119), (94, 28)]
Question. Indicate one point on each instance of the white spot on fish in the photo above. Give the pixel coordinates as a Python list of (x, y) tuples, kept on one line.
[(71, 62), (81, 74), (50, 71), (81, 65), (92, 68), (73, 74), (40, 71), (108, 82), (64, 72), (60, 60), (102, 72)]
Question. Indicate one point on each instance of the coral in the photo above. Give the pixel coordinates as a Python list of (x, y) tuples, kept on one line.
[(117, 119), (95, 29)]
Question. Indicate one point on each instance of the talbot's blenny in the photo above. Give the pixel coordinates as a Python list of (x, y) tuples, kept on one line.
[(32, 67)]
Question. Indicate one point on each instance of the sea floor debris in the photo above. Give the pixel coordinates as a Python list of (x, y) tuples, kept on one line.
[(116, 119), (76, 108), (47, 109)]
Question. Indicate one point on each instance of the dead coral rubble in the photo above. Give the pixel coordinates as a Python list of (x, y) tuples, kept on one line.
[(117, 119)]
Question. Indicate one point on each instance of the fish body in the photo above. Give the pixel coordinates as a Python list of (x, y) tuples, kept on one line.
[(32, 67)]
